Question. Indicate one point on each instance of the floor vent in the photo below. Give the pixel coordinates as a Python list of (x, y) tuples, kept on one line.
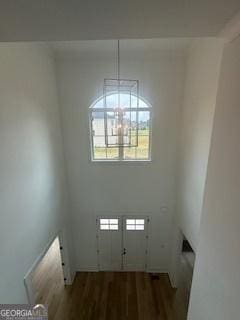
[(154, 276)]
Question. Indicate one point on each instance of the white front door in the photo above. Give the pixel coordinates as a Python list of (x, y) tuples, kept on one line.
[(135, 233), (109, 243), (122, 243)]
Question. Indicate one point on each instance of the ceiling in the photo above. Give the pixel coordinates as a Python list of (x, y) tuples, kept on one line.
[(41, 20), (108, 48)]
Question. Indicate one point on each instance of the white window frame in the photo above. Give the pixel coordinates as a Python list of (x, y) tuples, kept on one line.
[(120, 148)]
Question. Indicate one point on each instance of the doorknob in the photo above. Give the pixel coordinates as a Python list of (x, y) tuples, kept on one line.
[(124, 250)]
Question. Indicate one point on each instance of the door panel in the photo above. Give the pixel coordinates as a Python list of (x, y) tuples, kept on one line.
[(135, 243), (110, 244)]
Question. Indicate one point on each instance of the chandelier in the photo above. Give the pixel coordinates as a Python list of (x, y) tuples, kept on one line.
[(121, 109)]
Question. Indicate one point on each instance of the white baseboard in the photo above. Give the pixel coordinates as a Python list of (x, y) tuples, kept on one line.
[(70, 282), (87, 269), (172, 281), (157, 270), (94, 269)]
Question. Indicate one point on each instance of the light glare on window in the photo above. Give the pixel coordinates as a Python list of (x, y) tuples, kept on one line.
[(108, 224), (135, 224)]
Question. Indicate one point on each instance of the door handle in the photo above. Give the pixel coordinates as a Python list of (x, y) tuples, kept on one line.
[(124, 251)]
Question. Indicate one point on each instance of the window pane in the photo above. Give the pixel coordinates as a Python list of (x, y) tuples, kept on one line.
[(142, 151), (112, 140), (111, 123), (142, 154), (104, 227), (134, 128), (143, 120), (108, 224), (112, 153), (111, 100), (114, 221), (98, 123), (104, 221), (114, 227), (130, 119), (130, 221), (133, 138), (99, 153), (99, 141), (131, 227), (126, 140), (143, 146), (139, 227), (125, 101), (129, 153), (139, 221)]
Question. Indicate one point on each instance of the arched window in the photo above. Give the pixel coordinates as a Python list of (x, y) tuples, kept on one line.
[(123, 133)]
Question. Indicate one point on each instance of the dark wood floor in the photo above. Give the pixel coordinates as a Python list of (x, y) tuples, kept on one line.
[(115, 295)]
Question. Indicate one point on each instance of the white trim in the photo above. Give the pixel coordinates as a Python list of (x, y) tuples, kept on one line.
[(232, 29), (102, 97), (139, 109), (157, 270), (87, 269), (150, 270), (172, 281), (28, 287), (112, 161), (173, 284), (65, 258), (73, 276)]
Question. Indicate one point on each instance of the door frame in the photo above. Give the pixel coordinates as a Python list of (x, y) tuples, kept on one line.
[(122, 218)]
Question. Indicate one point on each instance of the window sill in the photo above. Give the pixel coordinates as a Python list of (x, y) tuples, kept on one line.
[(121, 162)]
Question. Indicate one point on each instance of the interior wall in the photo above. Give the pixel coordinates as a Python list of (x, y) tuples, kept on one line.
[(202, 74), (32, 196), (216, 281), (120, 188)]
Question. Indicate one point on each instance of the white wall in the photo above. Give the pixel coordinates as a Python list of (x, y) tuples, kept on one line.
[(32, 195), (121, 188), (216, 281), (196, 127)]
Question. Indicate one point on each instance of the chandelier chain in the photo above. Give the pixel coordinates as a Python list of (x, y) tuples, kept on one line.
[(118, 59)]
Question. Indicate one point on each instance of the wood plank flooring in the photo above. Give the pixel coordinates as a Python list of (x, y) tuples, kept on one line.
[(47, 280), (117, 296)]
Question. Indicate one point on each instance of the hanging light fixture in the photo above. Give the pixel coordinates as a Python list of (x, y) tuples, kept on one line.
[(121, 108)]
